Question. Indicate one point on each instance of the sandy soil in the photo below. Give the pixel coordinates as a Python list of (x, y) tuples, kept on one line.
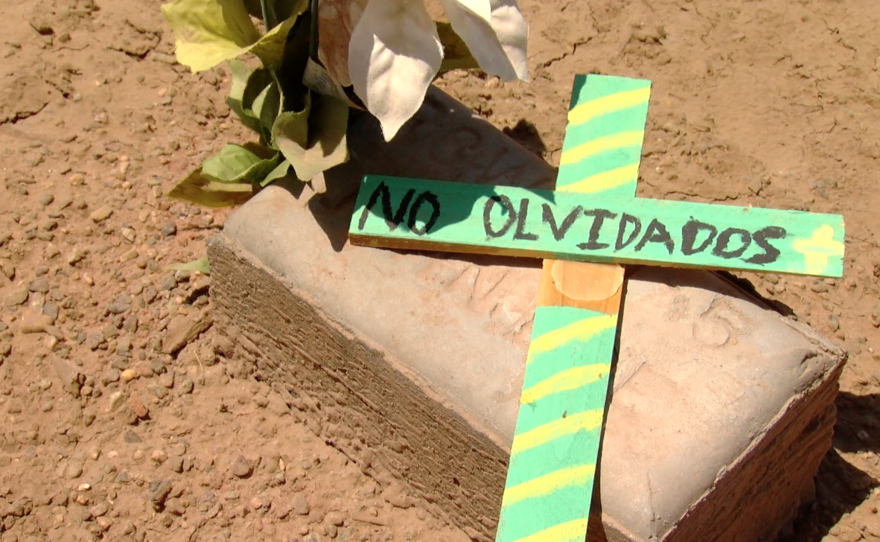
[(117, 417)]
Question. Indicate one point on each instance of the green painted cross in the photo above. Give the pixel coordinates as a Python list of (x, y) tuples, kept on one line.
[(592, 216)]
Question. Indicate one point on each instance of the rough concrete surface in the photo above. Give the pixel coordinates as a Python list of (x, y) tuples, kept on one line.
[(411, 364)]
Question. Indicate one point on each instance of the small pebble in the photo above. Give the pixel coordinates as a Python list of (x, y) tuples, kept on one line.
[(101, 214), (241, 468), (128, 375), (73, 471), (46, 199), (159, 456), (51, 310), (186, 386), (138, 408), (128, 256), (33, 322), (77, 256), (40, 285), (166, 380), (110, 376), (17, 297), (115, 400), (99, 509), (300, 505), (335, 518), (130, 324), (833, 322), (175, 464), (120, 305)]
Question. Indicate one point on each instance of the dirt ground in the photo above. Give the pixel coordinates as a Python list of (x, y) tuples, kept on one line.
[(105, 434)]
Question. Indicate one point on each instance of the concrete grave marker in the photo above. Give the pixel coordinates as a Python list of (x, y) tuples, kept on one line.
[(556, 442), (721, 411)]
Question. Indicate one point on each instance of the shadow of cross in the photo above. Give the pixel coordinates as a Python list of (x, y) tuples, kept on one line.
[(565, 384)]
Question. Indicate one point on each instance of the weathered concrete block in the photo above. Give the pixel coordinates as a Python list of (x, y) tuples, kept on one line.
[(411, 364)]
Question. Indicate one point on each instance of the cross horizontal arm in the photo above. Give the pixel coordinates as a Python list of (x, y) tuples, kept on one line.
[(432, 215)]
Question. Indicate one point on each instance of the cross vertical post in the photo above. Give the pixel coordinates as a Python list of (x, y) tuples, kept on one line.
[(558, 428)]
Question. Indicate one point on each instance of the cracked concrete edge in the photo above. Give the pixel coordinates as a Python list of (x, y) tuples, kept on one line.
[(337, 325), (406, 437), (806, 395), (794, 421)]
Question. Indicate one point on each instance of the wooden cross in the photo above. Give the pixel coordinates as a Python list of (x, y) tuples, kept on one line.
[(556, 441)]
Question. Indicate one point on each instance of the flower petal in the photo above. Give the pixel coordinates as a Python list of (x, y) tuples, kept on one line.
[(480, 8), (393, 57), (499, 45), (336, 21)]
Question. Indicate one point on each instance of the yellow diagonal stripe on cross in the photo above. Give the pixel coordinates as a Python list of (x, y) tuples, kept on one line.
[(818, 248), (570, 531), (582, 421), (600, 155), (549, 483), (601, 144), (603, 181), (607, 104), (582, 330), (566, 380)]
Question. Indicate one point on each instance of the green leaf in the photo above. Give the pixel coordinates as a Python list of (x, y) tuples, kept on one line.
[(456, 55), (292, 127), (240, 76), (260, 102), (283, 8), (209, 32), (270, 48), (279, 172), (289, 72), (203, 191), (257, 97), (229, 164), (267, 105), (238, 164), (313, 140), (201, 265)]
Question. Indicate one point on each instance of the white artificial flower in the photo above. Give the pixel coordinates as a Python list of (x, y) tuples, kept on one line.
[(394, 52)]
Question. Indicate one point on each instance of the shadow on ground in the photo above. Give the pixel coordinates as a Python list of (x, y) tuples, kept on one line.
[(526, 134), (840, 485)]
